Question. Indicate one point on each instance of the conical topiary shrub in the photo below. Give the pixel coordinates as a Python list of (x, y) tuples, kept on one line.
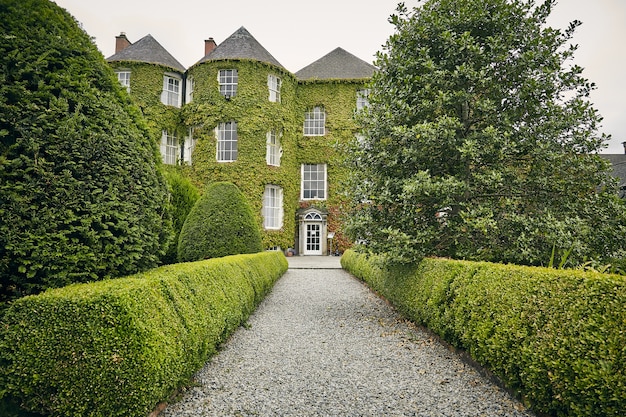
[(221, 223), (81, 194)]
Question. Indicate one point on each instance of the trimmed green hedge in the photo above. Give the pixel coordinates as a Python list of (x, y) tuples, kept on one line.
[(119, 347), (81, 194), (556, 337)]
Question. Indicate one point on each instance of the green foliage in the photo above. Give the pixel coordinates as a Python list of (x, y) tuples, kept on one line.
[(146, 85), (338, 98), (221, 223), (119, 347), (556, 337), (480, 140), (81, 195), (255, 116), (183, 196)]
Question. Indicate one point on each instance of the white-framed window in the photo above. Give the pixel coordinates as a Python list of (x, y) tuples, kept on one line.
[(226, 134), (273, 207), (171, 90), (315, 122), (313, 185), (274, 151), (362, 100), (274, 83), (228, 80), (190, 145), (189, 85), (124, 78), (170, 150)]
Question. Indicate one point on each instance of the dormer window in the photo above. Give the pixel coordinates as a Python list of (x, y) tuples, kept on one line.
[(228, 80), (274, 83), (124, 78), (171, 90)]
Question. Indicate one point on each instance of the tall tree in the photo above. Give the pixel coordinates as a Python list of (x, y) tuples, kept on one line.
[(479, 140), (81, 195)]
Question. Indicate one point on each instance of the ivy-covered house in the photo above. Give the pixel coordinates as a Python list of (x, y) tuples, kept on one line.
[(238, 115), (154, 79)]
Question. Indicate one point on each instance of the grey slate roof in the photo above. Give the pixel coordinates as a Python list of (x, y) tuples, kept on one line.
[(241, 45), (147, 49), (338, 64)]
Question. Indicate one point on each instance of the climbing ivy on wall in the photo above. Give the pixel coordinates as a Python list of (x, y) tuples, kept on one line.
[(338, 98), (146, 86), (255, 116)]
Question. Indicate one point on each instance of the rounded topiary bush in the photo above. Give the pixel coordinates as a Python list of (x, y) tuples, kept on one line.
[(221, 223), (81, 194)]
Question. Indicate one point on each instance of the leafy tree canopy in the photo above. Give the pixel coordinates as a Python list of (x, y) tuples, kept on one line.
[(220, 223), (480, 141), (81, 196)]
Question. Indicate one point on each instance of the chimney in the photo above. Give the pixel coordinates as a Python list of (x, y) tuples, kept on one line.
[(209, 45), (121, 42)]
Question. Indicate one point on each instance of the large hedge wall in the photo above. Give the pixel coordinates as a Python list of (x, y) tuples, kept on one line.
[(119, 347), (81, 195), (557, 337)]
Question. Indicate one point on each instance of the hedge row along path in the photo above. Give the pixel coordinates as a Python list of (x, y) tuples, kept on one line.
[(322, 344)]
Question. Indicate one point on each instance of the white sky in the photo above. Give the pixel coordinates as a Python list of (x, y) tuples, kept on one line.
[(298, 32)]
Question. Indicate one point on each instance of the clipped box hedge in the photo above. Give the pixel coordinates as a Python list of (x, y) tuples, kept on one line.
[(556, 337), (119, 347)]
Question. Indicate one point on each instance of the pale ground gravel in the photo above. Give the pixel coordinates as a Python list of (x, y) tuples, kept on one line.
[(322, 344)]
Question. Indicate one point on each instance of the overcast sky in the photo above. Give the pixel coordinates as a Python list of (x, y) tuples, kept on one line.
[(299, 32)]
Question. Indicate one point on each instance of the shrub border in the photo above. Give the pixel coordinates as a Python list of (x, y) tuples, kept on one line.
[(556, 338), (119, 347)]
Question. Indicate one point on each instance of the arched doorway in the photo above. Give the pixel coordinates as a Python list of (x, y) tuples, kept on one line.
[(312, 240), (312, 234)]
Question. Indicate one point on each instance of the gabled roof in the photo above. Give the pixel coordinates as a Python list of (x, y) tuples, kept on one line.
[(338, 64), (147, 49), (241, 45)]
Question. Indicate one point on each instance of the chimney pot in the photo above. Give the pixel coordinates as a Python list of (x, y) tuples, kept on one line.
[(121, 42), (209, 45)]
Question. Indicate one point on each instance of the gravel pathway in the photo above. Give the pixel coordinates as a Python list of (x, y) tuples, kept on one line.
[(322, 344)]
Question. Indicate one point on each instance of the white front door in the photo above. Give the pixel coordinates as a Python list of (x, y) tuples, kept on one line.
[(313, 239)]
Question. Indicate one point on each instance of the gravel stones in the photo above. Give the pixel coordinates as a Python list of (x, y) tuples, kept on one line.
[(322, 344)]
